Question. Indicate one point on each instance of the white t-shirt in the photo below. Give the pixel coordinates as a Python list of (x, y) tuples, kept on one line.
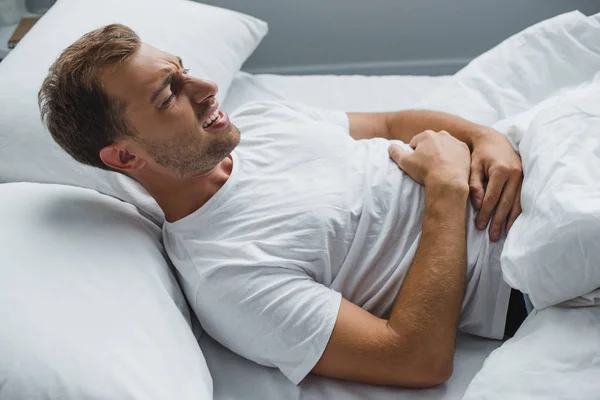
[(309, 215)]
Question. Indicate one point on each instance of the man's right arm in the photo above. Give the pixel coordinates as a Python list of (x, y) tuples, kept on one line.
[(415, 347)]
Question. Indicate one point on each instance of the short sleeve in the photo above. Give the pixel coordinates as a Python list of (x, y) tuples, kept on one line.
[(273, 316), (285, 112)]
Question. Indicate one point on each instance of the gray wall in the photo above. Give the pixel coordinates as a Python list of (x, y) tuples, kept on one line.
[(387, 36)]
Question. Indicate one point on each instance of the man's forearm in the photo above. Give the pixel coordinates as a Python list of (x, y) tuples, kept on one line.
[(403, 125), (427, 308)]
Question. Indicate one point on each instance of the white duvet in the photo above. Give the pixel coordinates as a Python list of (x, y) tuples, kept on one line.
[(541, 89)]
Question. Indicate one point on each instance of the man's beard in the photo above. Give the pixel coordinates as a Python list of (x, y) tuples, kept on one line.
[(187, 157)]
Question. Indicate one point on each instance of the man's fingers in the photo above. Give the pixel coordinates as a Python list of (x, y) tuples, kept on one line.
[(418, 138), (476, 184), (515, 210), (397, 154), (492, 196), (503, 208)]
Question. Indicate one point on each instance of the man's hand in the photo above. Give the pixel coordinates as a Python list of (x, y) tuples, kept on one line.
[(494, 161), (438, 159)]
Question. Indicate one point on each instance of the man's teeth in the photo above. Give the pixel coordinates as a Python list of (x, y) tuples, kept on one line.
[(211, 119)]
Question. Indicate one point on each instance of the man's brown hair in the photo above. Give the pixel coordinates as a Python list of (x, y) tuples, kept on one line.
[(78, 113)]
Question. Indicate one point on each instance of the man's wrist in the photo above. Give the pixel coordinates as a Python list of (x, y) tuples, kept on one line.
[(453, 190), (447, 181), (476, 134)]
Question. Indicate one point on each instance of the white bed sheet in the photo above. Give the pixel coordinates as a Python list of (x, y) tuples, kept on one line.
[(344, 92), (237, 378)]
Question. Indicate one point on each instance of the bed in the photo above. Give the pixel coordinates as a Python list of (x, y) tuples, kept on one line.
[(348, 93), (233, 377), (556, 345)]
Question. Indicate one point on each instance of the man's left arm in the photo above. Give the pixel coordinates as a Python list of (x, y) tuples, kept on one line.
[(493, 160)]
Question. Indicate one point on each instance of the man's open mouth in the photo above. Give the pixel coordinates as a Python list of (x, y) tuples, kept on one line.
[(211, 119), (215, 119)]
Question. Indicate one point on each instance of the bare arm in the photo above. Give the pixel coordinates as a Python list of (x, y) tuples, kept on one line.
[(404, 125), (415, 348)]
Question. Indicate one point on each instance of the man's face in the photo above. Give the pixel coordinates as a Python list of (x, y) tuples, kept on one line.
[(175, 118)]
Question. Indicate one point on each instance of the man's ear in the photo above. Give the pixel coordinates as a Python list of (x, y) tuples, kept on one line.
[(118, 156)]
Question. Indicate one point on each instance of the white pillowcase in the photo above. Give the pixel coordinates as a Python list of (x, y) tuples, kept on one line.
[(89, 308), (543, 60), (213, 43), (552, 252)]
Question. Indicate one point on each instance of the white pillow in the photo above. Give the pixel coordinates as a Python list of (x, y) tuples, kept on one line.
[(89, 308), (213, 43), (543, 60), (552, 252)]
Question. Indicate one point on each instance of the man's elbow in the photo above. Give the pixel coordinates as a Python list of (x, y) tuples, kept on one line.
[(439, 374), (445, 374), (421, 365), (429, 376)]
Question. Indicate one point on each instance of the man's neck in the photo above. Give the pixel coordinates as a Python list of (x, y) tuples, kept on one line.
[(179, 198)]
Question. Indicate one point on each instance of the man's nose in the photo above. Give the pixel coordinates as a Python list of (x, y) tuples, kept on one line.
[(201, 89)]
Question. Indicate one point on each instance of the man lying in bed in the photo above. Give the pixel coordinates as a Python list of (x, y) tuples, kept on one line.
[(299, 242)]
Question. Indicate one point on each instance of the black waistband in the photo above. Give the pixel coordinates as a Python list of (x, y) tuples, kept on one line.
[(517, 312)]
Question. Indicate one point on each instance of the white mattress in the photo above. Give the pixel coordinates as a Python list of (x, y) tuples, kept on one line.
[(349, 93), (237, 378)]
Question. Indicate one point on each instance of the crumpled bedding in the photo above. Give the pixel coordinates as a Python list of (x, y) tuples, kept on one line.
[(541, 88), (554, 355)]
